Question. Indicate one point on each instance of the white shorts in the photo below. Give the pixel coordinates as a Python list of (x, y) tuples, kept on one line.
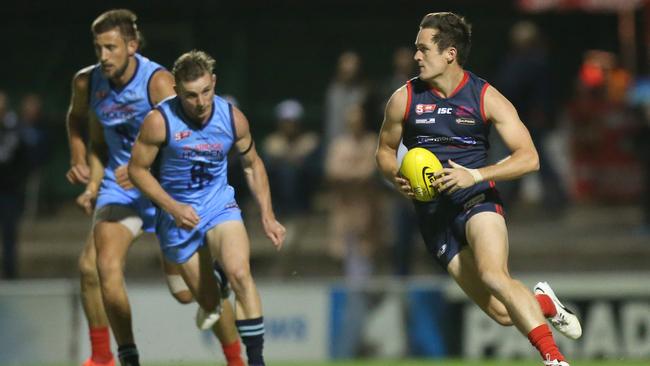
[(122, 214)]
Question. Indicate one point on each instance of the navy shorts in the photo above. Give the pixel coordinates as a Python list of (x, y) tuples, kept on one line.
[(442, 222)]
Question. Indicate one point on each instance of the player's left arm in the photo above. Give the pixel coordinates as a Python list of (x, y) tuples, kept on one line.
[(161, 87), (256, 177), (515, 135), (97, 155)]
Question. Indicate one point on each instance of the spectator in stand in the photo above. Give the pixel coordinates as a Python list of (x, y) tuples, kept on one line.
[(350, 170), (19, 155), (346, 89), (292, 158), (523, 78)]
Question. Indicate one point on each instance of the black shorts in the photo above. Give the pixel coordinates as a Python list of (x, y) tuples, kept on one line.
[(442, 222)]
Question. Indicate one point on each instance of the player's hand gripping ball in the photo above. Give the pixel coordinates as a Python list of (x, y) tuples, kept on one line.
[(418, 167)]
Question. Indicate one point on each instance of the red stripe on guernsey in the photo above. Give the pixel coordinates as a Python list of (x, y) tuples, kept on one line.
[(485, 120), (499, 209), (409, 92), (457, 89), (492, 184)]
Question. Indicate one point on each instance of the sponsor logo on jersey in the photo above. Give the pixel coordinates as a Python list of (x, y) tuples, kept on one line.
[(453, 140), (108, 112), (445, 110), (463, 111), (182, 135), (213, 152), (424, 108), (425, 121), (466, 121)]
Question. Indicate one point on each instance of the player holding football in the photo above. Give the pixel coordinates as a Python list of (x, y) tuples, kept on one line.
[(449, 111), (117, 92), (198, 219)]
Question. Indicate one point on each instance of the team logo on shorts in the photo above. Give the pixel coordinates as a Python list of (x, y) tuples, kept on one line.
[(425, 108), (442, 250), (182, 135)]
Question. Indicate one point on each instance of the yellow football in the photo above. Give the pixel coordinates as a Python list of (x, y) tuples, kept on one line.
[(418, 167)]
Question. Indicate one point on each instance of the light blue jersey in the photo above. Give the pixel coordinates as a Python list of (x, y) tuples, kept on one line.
[(192, 168), (121, 112)]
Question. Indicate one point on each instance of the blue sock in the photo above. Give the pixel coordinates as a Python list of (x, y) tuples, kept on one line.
[(252, 335), (128, 355)]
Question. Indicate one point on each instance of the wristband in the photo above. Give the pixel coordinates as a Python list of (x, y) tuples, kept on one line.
[(478, 177)]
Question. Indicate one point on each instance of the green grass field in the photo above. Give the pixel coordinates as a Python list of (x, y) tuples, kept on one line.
[(421, 363)]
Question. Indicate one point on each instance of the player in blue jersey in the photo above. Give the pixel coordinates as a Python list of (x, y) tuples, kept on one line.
[(116, 94), (449, 111), (198, 219)]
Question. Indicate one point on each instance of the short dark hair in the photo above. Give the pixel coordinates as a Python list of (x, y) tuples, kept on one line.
[(122, 19), (192, 65), (453, 30)]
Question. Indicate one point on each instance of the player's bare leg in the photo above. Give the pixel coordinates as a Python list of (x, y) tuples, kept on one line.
[(224, 329), (463, 270), (487, 236), (230, 245), (91, 299), (112, 240), (233, 252), (198, 275)]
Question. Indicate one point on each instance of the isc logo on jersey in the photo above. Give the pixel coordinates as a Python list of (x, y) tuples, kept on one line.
[(418, 166), (445, 110)]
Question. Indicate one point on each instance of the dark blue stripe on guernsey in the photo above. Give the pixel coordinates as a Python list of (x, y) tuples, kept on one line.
[(167, 131), (232, 121), (90, 83), (149, 84)]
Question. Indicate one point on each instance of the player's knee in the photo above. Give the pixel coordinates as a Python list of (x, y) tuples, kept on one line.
[(87, 267), (494, 280), (178, 288), (108, 267), (240, 278), (183, 297)]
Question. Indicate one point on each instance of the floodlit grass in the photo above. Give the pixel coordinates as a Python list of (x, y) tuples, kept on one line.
[(415, 363)]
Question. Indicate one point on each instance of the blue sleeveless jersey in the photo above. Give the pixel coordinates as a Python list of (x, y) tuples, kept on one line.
[(452, 128), (121, 112), (192, 167)]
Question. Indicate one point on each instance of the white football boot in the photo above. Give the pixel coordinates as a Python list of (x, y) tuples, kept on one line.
[(565, 321), (555, 363), (204, 320)]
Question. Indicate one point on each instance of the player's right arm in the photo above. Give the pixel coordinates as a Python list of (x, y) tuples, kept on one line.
[(389, 139), (76, 117), (152, 135)]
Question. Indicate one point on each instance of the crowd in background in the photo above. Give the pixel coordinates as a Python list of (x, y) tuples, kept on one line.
[(586, 144)]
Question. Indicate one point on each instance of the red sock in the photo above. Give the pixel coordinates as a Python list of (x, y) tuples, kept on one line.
[(233, 353), (100, 343), (548, 308), (542, 338)]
